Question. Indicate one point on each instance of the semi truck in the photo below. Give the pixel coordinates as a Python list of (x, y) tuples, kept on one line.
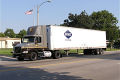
[(49, 40)]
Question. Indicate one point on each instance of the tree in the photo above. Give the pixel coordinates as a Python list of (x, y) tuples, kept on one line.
[(117, 44), (81, 21), (21, 33), (103, 20), (10, 33), (2, 34)]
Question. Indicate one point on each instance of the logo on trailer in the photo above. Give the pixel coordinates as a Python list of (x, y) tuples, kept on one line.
[(68, 34)]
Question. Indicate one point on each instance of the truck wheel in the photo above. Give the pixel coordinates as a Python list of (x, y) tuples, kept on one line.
[(96, 52), (101, 51), (20, 59), (33, 56), (56, 55)]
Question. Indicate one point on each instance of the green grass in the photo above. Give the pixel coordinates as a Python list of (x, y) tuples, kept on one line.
[(6, 52), (75, 51), (109, 49), (72, 51)]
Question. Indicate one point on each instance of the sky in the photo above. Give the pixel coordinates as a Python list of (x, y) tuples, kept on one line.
[(12, 12)]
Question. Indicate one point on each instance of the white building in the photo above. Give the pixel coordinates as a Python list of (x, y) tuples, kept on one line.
[(8, 42)]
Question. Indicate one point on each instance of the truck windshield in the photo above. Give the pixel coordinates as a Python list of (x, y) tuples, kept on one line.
[(28, 39)]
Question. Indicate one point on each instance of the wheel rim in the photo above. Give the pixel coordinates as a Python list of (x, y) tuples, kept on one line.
[(33, 56)]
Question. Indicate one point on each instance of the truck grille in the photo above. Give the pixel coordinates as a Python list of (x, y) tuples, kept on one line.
[(17, 49)]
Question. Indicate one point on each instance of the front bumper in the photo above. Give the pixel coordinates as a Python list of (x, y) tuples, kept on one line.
[(21, 55)]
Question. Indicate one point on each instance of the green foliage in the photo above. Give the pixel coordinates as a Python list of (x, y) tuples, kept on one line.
[(2, 34), (104, 20), (21, 33), (117, 44), (81, 21), (10, 33), (112, 33)]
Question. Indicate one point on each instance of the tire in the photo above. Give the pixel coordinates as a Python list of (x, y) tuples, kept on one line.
[(33, 56), (20, 59), (101, 51), (97, 51), (56, 55)]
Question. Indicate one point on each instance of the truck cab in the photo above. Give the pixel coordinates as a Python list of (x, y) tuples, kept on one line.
[(34, 45)]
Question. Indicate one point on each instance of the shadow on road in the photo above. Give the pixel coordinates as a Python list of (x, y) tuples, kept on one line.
[(7, 58), (22, 73)]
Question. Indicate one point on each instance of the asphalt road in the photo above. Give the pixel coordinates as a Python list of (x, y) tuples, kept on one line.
[(74, 67)]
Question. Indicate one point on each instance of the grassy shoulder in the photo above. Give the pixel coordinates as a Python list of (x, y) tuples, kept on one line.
[(109, 49), (6, 52)]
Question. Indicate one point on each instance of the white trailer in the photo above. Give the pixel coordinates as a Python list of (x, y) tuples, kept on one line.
[(65, 38), (47, 41)]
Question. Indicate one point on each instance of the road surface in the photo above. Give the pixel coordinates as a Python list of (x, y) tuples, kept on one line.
[(74, 67)]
